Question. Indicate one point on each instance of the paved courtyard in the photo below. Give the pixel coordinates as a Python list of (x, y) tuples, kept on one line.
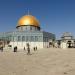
[(51, 61)]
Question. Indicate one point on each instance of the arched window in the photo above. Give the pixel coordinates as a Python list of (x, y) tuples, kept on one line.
[(23, 38), (19, 38), (30, 27), (26, 38), (32, 38), (36, 38)]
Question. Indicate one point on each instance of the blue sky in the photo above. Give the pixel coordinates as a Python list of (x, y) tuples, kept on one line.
[(56, 16)]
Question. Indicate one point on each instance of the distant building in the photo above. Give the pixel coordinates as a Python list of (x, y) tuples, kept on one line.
[(68, 39), (28, 31)]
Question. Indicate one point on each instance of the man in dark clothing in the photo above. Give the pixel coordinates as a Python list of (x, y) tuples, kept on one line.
[(15, 49), (34, 48), (24, 48), (1, 49)]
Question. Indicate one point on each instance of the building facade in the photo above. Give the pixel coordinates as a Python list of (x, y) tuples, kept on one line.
[(67, 40), (28, 30)]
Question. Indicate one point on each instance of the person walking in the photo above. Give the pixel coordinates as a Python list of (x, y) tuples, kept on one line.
[(15, 49), (24, 48), (28, 49), (34, 48)]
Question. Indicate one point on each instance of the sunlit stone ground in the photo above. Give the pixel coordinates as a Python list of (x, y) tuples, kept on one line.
[(51, 61)]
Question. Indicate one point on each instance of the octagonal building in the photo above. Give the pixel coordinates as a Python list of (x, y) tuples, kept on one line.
[(27, 30)]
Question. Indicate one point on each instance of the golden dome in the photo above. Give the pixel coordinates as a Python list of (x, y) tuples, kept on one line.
[(28, 20)]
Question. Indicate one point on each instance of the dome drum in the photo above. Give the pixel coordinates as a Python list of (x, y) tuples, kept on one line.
[(27, 25), (28, 28)]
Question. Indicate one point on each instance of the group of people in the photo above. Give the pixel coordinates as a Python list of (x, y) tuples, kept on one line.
[(15, 48), (35, 48), (54, 44), (28, 49)]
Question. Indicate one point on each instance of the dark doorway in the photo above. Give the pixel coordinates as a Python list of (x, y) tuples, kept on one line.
[(74, 44), (69, 44), (50, 44)]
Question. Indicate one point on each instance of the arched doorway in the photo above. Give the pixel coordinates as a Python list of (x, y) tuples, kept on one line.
[(74, 44), (69, 44)]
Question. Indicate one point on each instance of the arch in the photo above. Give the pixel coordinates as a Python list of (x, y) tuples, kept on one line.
[(69, 42)]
